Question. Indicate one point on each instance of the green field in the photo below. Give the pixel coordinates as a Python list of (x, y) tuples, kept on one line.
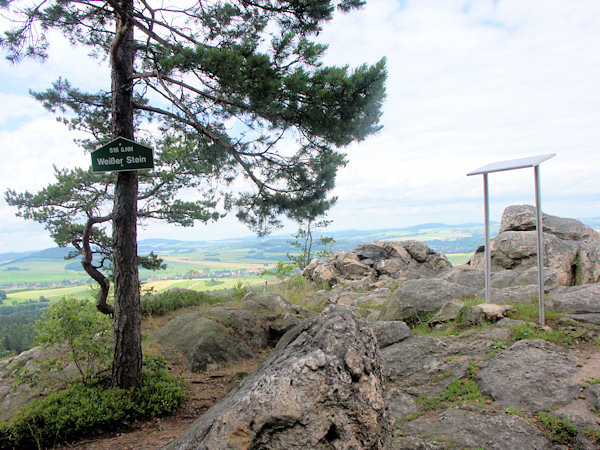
[(203, 265), (42, 271), (152, 286), (50, 294)]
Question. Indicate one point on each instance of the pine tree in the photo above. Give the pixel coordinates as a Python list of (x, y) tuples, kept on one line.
[(238, 90)]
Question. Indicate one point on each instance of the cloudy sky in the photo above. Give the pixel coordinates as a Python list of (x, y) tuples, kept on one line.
[(469, 83)]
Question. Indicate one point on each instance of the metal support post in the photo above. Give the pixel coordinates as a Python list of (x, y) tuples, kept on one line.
[(486, 200), (540, 245)]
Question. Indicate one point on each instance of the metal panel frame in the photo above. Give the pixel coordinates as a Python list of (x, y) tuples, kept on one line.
[(522, 163)]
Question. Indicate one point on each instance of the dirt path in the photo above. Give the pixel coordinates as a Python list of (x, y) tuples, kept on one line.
[(205, 389)]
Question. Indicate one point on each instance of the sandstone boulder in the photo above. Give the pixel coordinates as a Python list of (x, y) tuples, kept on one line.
[(586, 266), (389, 333), (227, 332), (417, 299), (483, 313), (467, 276), (242, 322), (447, 313), (11, 400), (581, 303), (201, 342), (571, 250), (376, 262), (523, 218), (322, 387), (276, 313)]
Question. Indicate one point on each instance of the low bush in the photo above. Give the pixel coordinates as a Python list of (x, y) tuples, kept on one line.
[(87, 410), (239, 290), (171, 300)]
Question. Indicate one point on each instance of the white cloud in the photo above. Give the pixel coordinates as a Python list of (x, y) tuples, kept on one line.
[(494, 81), (470, 82)]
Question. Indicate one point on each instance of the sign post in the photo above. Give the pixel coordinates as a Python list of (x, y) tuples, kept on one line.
[(533, 161), (122, 154)]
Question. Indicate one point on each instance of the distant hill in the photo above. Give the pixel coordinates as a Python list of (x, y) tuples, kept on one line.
[(52, 254), (463, 238)]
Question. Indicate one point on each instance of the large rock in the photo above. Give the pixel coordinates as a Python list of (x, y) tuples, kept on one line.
[(12, 399), (511, 295), (485, 312), (571, 249), (580, 302), (277, 314), (222, 333), (378, 262), (418, 299), (467, 276), (531, 376), (517, 251), (390, 333), (426, 365), (523, 218), (201, 342), (321, 388), (242, 322)]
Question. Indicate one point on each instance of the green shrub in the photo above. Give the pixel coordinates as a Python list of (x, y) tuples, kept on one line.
[(496, 347), (82, 335), (514, 411), (239, 290), (171, 300), (281, 270), (6, 439), (87, 410), (562, 430)]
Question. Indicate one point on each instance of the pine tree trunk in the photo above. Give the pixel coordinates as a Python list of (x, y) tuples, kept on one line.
[(127, 365)]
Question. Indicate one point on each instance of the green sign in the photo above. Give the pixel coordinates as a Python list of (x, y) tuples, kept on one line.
[(122, 154)]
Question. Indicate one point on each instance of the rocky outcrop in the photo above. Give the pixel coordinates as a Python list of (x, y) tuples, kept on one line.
[(523, 218), (11, 400), (322, 387), (515, 384), (571, 248), (470, 427), (418, 299), (378, 262), (208, 338), (581, 303), (201, 342), (395, 283), (531, 376)]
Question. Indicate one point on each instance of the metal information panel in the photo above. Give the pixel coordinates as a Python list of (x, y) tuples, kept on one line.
[(122, 154), (522, 163)]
